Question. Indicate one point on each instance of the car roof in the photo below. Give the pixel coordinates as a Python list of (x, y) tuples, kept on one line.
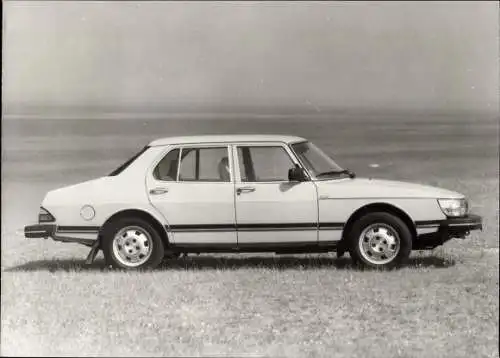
[(226, 139)]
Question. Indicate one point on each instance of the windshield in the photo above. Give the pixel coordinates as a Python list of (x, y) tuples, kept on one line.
[(315, 160)]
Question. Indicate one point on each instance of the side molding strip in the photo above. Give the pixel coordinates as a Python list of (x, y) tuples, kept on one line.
[(89, 229), (255, 227)]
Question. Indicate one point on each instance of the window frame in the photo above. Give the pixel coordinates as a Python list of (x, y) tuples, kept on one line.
[(282, 145), (309, 173), (180, 147)]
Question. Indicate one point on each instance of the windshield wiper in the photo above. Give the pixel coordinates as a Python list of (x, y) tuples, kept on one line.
[(338, 172)]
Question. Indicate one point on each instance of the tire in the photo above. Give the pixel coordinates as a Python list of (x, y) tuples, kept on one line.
[(380, 240), (132, 244)]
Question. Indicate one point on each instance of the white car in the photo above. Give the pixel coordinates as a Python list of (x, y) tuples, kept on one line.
[(248, 193)]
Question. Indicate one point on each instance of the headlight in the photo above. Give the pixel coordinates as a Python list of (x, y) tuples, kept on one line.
[(454, 207), (44, 216)]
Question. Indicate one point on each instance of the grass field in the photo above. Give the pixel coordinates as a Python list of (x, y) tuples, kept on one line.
[(443, 304)]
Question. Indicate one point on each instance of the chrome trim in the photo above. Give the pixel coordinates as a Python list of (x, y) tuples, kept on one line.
[(158, 191), (245, 189), (427, 230), (179, 159)]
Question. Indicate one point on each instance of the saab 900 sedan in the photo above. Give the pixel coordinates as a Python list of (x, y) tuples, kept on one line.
[(248, 193)]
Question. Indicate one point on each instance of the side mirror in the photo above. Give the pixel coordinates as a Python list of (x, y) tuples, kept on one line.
[(296, 174)]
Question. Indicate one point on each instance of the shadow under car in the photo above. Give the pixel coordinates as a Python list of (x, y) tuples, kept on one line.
[(206, 262)]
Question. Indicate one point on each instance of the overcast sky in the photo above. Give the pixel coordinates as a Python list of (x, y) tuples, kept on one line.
[(387, 54)]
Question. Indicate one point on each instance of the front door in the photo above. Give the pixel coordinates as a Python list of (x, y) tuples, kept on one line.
[(269, 208), (192, 187)]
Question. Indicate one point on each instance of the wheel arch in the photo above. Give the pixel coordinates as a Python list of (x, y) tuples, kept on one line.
[(379, 207), (137, 213)]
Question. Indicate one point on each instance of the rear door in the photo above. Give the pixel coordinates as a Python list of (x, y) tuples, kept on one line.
[(193, 187), (269, 208)]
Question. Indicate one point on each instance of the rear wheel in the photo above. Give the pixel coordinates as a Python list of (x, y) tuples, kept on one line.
[(132, 243), (380, 240)]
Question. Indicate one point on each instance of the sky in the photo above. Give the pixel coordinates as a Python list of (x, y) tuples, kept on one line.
[(433, 55)]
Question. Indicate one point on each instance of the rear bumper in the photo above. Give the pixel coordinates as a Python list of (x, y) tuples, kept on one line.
[(81, 235), (445, 230), (39, 231)]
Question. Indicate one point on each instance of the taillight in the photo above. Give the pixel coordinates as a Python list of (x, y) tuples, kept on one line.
[(44, 216)]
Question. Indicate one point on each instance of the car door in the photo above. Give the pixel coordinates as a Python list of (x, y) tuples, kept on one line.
[(193, 187), (269, 208)]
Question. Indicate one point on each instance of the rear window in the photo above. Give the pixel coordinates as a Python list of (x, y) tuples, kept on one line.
[(124, 166)]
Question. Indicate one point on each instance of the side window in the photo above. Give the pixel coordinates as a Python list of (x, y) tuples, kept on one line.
[(204, 164), (166, 169), (262, 164)]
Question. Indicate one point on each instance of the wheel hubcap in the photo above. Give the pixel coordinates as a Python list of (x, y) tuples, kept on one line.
[(132, 246), (379, 243)]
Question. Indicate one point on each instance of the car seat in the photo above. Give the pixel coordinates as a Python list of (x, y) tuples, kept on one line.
[(223, 169)]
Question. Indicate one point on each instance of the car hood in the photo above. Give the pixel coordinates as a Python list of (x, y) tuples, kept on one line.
[(377, 188)]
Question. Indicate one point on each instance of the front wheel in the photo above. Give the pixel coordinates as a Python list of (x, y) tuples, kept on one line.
[(132, 243), (380, 240)]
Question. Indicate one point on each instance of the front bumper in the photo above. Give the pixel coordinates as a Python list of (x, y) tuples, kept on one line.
[(462, 226), (448, 229)]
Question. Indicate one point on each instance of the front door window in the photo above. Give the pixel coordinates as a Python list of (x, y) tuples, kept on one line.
[(264, 164)]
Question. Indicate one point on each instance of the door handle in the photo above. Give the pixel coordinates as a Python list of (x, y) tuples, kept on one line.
[(158, 191), (245, 189)]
